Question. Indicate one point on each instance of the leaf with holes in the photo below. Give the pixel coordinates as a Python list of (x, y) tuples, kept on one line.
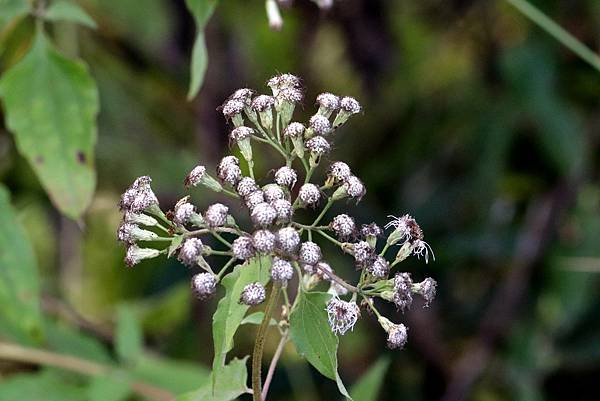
[(51, 104)]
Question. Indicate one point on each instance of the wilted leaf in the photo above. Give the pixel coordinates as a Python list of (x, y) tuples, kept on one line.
[(369, 385), (228, 385), (51, 104), (20, 316), (129, 338), (230, 312), (313, 338), (71, 12), (201, 10)]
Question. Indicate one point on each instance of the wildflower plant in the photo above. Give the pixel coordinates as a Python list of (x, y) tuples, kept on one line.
[(277, 260)]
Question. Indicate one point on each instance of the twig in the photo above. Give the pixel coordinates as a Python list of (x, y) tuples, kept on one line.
[(273, 365), (17, 353)]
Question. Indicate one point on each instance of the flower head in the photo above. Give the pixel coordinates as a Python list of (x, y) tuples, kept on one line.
[(339, 171), (263, 241), (320, 124), (284, 209), (378, 267), (253, 294), (246, 186), (288, 239), (135, 254), (139, 196), (294, 130), (263, 214), (263, 102), (204, 285), (318, 145), (286, 176), (281, 270), (190, 251), (273, 192), (402, 296), (242, 248), (310, 253), (229, 170), (216, 215), (254, 198), (309, 194), (342, 315)]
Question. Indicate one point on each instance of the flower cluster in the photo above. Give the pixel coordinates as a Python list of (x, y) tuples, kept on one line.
[(271, 204)]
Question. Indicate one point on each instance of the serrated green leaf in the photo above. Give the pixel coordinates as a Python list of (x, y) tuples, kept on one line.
[(173, 375), (230, 312), (71, 12), (202, 11), (51, 104), (20, 316), (313, 338), (228, 385), (256, 318), (129, 337), (46, 385), (108, 388), (369, 385), (10, 9)]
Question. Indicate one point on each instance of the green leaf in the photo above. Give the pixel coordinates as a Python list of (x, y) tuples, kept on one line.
[(230, 312), (228, 385), (71, 12), (70, 341), (10, 9), (175, 243), (129, 337), (369, 385), (313, 338), (172, 375), (47, 385), (20, 316), (202, 11), (108, 388), (256, 318), (51, 104)]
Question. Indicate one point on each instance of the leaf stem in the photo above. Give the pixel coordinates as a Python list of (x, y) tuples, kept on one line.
[(259, 344), (273, 364)]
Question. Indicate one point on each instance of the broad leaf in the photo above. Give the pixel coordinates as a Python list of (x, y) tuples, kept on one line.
[(230, 312), (10, 9), (312, 336), (51, 104), (202, 11), (129, 341), (228, 385), (71, 12), (369, 385), (256, 318), (20, 316)]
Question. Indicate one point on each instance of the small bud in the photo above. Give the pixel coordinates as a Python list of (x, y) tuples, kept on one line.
[(310, 253), (405, 229), (243, 95), (229, 170), (263, 241), (139, 196), (348, 107), (353, 188), (309, 194), (397, 333), (232, 109), (191, 251), (263, 105), (288, 239), (287, 98), (336, 290), (284, 210), (328, 103), (370, 232), (253, 294), (363, 252), (343, 226), (338, 172), (286, 176), (295, 131), (378, 267), (135, 254), (216, 215), (204, 285), (198, 175), (254, 199), (281, 270), (131, 233), (273, 192), (140, 218), (242, 248), (342, 315), (263, 214), (183, 211), (318, 146), (404, 252), (246, 186), (402, 295), (318, 125), (241, 136), (427, 289)]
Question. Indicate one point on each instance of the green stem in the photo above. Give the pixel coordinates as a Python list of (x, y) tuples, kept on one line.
[(225, 268), (330, 238), (325, 209), (221, 239), (259, 344)]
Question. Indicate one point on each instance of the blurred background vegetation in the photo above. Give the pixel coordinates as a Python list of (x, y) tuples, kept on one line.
[(475, 121)]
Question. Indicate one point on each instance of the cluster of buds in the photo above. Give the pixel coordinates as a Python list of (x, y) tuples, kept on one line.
[(274, 13), (271, 203)]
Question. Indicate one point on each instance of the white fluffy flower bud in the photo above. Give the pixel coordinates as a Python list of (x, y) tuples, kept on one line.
[(397, 333), (310, 253), (190, 251), (353, 187), (288, 239), (284, 209), (232, 109), (254, 199), (139, 196), (242, 248), (294, 130), (216, 215), (343, 226), (320, 125), (318, 145), (348, 107), (183, 212), (342, 315), (253, 294), (243, 95), (135, 254), (281, 270), (328, 103), (241, 136), (378, 267), (273, 192), (263, 214), (402, 295), (363, 252), (263, 241), (198, 175), (229, 170), (286, 176), (309, 194), (204, 285), (339, 172), (246, 186), (427, 289), (263, 104), (131, 233)]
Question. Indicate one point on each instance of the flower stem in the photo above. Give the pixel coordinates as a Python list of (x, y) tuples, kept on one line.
[(259, 344), (273, 364)]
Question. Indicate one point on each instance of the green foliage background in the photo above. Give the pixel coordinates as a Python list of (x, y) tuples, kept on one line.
[(475, 121)]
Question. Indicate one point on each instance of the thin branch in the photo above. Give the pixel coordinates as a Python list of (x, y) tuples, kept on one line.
[(273, 365)]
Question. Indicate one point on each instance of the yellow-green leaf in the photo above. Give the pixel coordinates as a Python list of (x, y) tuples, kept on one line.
[(51, 104)]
